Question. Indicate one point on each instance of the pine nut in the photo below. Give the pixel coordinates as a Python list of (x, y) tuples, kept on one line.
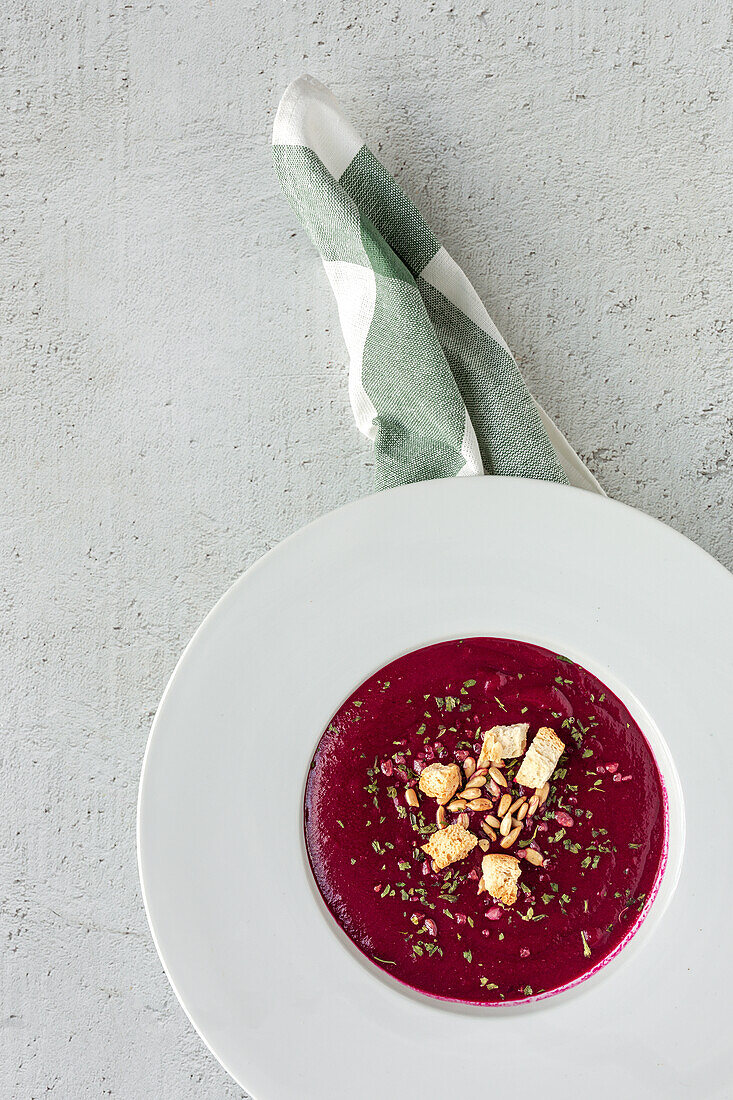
[(504, 804), (488, 830), (441, 817), (484, 845), (517, 803), (456, 805), (506, 825), (481, 885), (476, 781), (462, 819), (469, 767), (533, 804), (481, 804), (470, 793), (509, 840), (534, 856), (411, 798), (491, 820), (522, 812), (497, 776), (543, 793)]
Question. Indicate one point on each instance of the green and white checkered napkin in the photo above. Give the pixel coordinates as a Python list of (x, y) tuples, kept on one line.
[(431, 381)]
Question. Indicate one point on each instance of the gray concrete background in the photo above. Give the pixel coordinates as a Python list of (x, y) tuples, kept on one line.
[(174, 388)]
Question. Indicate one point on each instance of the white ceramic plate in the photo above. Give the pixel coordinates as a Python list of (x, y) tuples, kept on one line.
[(285, 1003)]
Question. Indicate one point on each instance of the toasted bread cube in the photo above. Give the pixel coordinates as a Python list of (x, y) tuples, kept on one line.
[(449, 844), (440, 781), (500, 876), (503, 743), (541, 759)]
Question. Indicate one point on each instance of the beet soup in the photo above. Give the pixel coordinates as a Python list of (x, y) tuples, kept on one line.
[(485, 820)]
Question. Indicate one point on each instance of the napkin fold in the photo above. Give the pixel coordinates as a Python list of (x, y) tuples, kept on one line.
[(431, 381)]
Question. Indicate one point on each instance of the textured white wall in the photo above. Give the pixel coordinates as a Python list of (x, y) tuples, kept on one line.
[(175, 396)]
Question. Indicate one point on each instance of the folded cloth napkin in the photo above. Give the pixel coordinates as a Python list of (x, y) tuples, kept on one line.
[(431, 381)]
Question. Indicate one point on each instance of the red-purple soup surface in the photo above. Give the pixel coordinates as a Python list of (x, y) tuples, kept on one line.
[(601, 833)]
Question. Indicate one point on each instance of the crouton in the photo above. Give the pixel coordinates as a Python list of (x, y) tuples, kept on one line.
[(503, 743), (500, 876), (448, 845), (440, 781), (541, 759)]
